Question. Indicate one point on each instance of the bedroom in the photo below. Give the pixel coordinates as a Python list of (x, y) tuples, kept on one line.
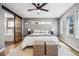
[(47, 25)]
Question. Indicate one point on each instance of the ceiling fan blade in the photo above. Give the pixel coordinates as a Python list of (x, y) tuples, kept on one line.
[(34, 5), (44, 9), (31, 9), (42, 5)]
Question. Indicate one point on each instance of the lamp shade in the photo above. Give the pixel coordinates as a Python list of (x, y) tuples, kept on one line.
[(29, 29)]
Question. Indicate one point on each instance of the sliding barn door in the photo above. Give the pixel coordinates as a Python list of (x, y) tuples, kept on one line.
[(17, 29)]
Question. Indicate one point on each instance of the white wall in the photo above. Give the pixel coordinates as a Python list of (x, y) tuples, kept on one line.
[(70, 39), (8, 36), (2, 38), (53, 21)]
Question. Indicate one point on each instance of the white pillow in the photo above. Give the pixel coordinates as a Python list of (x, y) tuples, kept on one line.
[(40, 31)]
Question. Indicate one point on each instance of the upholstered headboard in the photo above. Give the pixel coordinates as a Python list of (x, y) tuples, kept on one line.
[(41, 31)]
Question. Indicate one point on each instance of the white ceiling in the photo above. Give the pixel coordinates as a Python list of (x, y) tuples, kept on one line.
[(55, 9)]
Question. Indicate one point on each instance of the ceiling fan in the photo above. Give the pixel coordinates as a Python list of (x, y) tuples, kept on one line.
[(39, 7)]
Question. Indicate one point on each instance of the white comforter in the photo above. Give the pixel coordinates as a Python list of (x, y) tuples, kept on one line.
[(28, 40)]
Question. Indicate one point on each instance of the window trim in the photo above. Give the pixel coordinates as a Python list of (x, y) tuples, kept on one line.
[(76, 25), (68, 23)]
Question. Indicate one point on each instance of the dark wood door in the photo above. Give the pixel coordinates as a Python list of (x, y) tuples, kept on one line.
[(17, 29)]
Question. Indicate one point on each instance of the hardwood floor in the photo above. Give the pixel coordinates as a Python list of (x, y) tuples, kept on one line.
[(15, 50), (19, 52), (71, 48), (8, 43)]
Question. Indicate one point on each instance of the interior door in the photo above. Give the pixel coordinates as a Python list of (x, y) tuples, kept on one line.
[(17, 29)]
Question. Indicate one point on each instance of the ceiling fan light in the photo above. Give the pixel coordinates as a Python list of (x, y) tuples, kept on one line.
[(38, 11)]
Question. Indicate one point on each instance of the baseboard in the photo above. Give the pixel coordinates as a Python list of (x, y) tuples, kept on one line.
[(72, 49), (2, 52)]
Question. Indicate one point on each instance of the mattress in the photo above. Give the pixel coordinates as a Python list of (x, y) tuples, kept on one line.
[(29, 40)]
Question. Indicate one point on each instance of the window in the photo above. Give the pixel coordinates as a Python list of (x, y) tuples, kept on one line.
[(10, 26), (9, 23), (70, 24)]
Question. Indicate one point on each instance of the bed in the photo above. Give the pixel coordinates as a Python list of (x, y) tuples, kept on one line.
[(38, 35)]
